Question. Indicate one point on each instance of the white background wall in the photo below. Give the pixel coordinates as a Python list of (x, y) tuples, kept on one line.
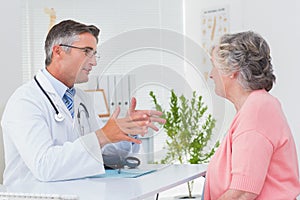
[(10, 41), (277, 21), (10, 54)]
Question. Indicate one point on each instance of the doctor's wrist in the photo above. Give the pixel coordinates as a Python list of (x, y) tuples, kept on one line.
[(102, 139)]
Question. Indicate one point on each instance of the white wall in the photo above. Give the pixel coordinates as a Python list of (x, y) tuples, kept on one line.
[(278, 22), (10, 40)]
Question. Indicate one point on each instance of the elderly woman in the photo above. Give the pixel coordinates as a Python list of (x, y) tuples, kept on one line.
[(257, 159)]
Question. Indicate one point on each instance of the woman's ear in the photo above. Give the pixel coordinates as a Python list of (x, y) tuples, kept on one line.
[(233, 75)]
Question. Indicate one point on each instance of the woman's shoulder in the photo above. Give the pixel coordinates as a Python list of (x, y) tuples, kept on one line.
[(263, 113), (261, 102)]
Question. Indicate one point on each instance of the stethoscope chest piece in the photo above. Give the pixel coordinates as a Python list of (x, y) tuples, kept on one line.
[(59, 117)]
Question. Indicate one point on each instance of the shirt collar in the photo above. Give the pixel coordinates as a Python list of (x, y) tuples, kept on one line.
[(58, 86)]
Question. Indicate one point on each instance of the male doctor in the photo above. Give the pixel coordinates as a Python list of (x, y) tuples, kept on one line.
[(42, 140)]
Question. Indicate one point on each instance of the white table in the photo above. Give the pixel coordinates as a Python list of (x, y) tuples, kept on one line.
[(117, 188)]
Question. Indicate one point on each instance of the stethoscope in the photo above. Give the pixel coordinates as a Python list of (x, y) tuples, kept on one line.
[(130, 161), (58, 116), (79, 116)]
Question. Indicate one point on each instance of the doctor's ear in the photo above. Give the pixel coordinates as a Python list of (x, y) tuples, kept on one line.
[(56, 50)]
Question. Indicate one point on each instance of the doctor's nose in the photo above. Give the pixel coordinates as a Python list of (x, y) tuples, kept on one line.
[(96, 57), (94, 60)]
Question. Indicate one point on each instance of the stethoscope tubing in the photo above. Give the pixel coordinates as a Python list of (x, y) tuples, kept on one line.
[(58, 116)]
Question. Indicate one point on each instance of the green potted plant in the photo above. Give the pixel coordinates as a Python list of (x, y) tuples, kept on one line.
[(189, 129)]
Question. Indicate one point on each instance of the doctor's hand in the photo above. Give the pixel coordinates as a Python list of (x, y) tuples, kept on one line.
[(136, 122), (154, 115)]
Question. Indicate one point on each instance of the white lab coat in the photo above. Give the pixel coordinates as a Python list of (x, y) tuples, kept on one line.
[(39, 147)]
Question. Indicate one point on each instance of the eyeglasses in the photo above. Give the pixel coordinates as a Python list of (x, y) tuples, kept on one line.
[(89, 52)]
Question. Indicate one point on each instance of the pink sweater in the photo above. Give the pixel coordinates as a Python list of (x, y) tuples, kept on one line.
[(257, 155)]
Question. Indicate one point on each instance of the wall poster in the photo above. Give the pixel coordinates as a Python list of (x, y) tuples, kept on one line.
[(214, 22)]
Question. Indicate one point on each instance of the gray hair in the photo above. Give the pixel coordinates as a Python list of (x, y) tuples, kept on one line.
[(249, 54), (66, 32)]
